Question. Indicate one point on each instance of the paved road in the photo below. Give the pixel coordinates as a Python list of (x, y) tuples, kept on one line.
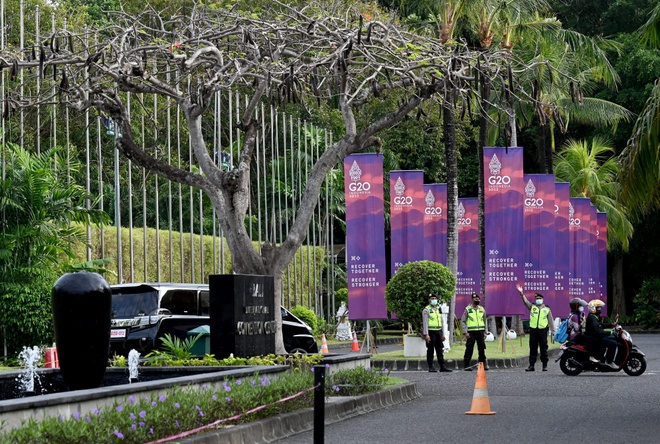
[(538, 407)]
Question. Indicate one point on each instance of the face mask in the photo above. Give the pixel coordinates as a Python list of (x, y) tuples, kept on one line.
[(434, 302), (539, 302), (477, 302), (580, 309)]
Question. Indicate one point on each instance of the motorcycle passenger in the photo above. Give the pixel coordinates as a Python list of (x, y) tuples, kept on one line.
[(594, 329), (576, 323)]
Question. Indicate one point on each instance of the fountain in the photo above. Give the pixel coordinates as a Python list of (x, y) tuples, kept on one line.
[(29, 358), (133, 360)]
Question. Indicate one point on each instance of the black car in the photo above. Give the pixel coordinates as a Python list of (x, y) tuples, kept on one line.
[(144, 313)]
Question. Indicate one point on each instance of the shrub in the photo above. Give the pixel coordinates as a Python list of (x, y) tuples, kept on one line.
[(408, 291), (647, 301), (306, 315), (341, 295), (355, 381)]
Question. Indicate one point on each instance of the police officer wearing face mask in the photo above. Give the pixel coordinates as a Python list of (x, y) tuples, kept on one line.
[(432, 331), (540, 319), (474, 329)]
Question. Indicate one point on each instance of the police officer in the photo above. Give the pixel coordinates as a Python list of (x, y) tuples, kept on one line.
[(432, 331), (540, 318), (474, 330)]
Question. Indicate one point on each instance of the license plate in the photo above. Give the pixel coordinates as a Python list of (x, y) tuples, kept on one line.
[(118, 333)]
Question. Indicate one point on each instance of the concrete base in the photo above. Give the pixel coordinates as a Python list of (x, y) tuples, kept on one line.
[(413, 346)]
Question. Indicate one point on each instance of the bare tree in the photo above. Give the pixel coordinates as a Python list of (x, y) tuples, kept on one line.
[(315, 55)]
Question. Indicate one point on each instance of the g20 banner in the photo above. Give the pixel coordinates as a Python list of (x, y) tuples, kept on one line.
[(539, 235), (602, 256), (406, 217), (562, 238), (468, 279), (579, 259), (435, 223), (504, 202), (365, 236)]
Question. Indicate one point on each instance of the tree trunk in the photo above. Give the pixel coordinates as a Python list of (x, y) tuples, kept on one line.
[(451, 156), (483, 141), (618, 296)]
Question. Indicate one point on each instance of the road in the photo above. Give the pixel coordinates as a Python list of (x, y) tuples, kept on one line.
[(531, 407)]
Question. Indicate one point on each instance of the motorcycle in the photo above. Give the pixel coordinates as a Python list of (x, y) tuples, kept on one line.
[(575, 358)]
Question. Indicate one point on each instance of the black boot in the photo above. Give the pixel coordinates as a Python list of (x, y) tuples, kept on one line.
[(530, 368), (545, 367), (466, 366)]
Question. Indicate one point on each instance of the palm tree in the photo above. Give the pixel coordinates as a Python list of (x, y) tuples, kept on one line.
[(593, 172), (640, 161), (41, 206)]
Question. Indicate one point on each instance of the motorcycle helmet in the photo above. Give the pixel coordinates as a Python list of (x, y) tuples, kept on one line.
[(577, 302), (595, 305)]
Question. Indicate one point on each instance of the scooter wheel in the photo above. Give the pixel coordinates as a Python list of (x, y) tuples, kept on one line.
[(569, 366), (635, 366)]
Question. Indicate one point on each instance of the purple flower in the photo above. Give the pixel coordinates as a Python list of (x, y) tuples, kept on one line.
[(118, 434), (61, 417), (252, 383), (133, 426), (327, 365), (120, 408), (335, 388), (142, 423), (386, 371), (131, 399), (151, 430), (177, 405), (132, 415), (88, 419), (154, 403), (214, 398), (227, 399), (203, 386), (227, 389), (176, 422), (162, 398), (201, 413), (238, 382), (143, 414), (95, 411), (198, 408), (76, 416)]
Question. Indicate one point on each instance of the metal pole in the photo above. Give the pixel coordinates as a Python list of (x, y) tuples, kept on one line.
[(319, 404)]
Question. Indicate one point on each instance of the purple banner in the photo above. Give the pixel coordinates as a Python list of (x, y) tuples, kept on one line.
[(503, 196), (406, 217), (468, 279), (539, 235), (579, 247), (365, 236), (592, 283), (602, 258), (435, 223), (562, 240)]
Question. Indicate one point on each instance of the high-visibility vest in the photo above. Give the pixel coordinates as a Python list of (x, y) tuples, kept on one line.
[(435, 317), (476, 318), (538, 317)]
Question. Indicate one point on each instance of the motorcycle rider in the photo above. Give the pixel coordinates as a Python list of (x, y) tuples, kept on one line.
[(576, 322), (594, 329)]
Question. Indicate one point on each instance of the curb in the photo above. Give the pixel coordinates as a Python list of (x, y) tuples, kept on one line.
[(420, 364), (282, 426)]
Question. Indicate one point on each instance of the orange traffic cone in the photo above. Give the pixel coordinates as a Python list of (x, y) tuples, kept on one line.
[(324, 345), (356, 346), (480, 402)]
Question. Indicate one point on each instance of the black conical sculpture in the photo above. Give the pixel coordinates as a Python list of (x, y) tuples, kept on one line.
[(82, 310)]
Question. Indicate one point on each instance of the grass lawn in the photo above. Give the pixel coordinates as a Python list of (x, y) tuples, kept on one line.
[(515, 348)]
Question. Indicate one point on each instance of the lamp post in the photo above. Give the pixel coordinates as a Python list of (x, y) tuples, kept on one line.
[(112, 130)]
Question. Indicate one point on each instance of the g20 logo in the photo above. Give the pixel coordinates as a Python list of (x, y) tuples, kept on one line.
[(464, 221), (359, 186), (403, 200), (574, 221), (499, 180), (534, 202), (437, 211)]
